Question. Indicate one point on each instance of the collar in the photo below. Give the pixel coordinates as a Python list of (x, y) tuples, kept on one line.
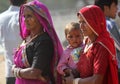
[(107, 18), (13, 8)]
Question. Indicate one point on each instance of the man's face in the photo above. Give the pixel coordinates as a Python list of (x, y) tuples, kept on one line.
[(112, 10)]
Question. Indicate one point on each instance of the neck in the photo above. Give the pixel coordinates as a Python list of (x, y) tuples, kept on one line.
[(35, 33)]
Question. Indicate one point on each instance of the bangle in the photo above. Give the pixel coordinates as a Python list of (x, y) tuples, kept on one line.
[(76, 80), (15, 72), (18, 72)]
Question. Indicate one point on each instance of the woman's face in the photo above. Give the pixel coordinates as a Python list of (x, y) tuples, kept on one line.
[(74, 38), (86, 30), (31, 20)]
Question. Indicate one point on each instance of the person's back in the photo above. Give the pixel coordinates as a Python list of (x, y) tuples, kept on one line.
[(109, 8), (10, 35)]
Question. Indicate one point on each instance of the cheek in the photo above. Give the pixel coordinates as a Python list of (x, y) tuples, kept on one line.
[(69, 40), (33, 21), (114, 11), (91, 33), (79, 40), (84, 27)]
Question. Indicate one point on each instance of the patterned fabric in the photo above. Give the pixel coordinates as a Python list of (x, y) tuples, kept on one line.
[(98, 26), (44, 17), (20, 55), (75, 54), (94, 62), (31, 55), (69, 58)]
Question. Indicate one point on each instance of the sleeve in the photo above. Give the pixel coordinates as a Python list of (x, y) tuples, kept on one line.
[(44, 52), (1, 35), (62, 63), (101, 60)]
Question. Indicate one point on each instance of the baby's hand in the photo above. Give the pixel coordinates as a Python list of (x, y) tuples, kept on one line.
[(67, 72), (69, 79)]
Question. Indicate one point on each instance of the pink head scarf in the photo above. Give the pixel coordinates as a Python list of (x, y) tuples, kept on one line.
[(44, 17), (95, 18)]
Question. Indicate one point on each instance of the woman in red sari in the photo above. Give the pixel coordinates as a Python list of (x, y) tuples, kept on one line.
[(97, 64)]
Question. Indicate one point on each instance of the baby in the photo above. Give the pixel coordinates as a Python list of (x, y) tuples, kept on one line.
[(71, 54)]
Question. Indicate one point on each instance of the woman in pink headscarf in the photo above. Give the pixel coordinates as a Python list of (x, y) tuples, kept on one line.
[(37, 56), (97, 64)]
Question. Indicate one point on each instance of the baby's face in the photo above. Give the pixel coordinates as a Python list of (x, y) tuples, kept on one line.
[(74, 38)]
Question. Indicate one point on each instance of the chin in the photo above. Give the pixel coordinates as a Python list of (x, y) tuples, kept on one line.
[(113, 17), (75, 46)]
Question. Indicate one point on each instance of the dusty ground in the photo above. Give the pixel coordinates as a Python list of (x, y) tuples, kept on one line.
[(2, 70)]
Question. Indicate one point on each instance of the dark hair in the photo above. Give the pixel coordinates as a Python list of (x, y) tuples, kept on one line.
[(102, 3), (18, 2)]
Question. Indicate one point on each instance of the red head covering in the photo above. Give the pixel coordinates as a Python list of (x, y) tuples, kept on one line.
[(95, 18)]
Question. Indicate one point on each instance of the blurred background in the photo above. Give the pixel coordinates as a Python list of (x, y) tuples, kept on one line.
[(62, 11)]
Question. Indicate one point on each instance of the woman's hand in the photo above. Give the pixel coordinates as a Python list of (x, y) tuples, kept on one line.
[(69, 79)]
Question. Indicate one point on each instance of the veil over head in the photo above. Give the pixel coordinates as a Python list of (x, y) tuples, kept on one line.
[(95, 18), (44, 17)]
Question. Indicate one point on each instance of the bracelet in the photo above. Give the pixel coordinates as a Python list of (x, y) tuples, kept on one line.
[(15, 72), (76, 80), (18, 72)]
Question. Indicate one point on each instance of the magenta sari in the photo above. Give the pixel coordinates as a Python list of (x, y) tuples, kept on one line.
[(20, 60), (44, 17)]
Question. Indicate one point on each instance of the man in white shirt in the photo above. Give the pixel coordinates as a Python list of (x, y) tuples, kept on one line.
[(10, 35)]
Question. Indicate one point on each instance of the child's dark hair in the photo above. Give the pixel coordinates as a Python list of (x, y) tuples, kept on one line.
[(102, 3)]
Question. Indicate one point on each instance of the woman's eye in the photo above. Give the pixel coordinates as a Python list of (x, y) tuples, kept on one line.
[(27, 16)]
